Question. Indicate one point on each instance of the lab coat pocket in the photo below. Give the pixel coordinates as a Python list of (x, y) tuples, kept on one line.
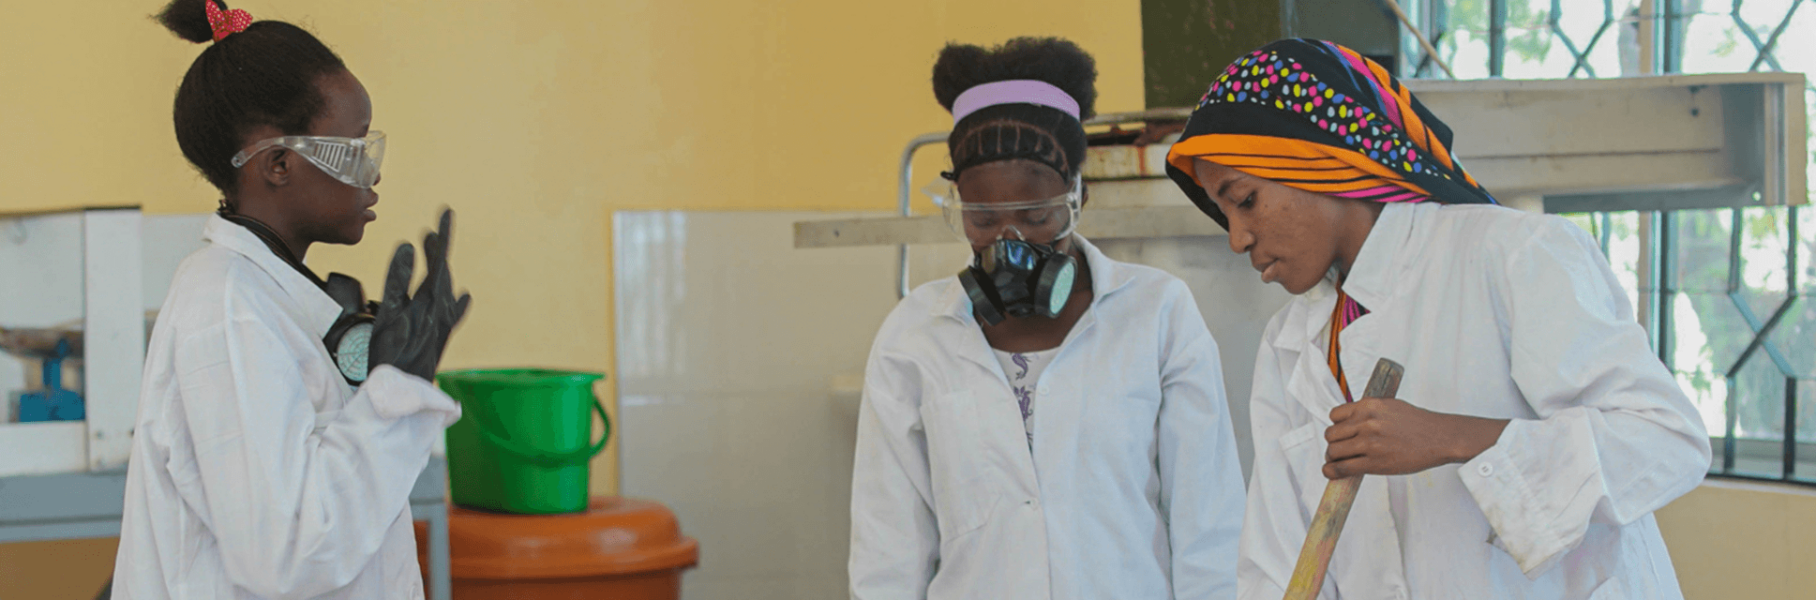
[(1303, 448), (964, 486)]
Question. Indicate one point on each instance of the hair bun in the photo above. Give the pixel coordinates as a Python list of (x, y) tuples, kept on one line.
[(189, 19), (1053, 60)]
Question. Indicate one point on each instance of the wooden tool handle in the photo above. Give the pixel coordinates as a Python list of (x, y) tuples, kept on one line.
[(1333, 510)]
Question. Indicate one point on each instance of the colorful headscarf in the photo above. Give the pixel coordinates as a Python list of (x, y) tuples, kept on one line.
[(1322, 118)]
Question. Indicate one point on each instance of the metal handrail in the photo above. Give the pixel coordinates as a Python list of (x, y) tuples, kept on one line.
[(902, 201), (903, 196)]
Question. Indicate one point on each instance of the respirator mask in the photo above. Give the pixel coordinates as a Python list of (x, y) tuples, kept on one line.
[(1019, 272)]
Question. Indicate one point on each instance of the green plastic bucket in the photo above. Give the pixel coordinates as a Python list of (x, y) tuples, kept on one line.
[(524, 441)]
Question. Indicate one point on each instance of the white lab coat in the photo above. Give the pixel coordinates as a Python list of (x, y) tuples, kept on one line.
[(1494, 313), (256, 470), (1132, 488)]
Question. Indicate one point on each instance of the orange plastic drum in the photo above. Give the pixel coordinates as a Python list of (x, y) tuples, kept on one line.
[(619, 548)]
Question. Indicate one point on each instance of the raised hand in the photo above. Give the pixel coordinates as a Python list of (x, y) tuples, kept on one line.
[(412, 330)]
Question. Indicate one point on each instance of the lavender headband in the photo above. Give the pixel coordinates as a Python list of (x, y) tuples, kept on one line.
[(1014, 91)]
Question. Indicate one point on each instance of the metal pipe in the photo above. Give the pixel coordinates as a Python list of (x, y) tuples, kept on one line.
[(1790, 381), (1731, 416), (1672, 38), (1667, 238), (1790, 427), (1790, 275), (1777, 155), (440, 553), (1648, 275), (1731, 405), (1735, 224), (1605, 233), (903, 197), (1157, 114), (1497, 36)]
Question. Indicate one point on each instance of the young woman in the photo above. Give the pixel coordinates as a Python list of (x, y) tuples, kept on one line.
[(1049, 423), (268, 461), (1534, 432)]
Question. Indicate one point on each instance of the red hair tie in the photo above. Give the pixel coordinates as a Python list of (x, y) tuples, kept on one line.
[(225, 23)]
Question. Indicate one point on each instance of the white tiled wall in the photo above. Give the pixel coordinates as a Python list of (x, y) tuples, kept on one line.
[(738, 360), (728, 340)]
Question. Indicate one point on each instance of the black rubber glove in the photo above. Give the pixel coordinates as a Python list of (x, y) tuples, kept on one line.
[(412, 330)]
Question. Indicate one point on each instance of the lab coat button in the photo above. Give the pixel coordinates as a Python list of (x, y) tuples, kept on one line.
[(1487, 470)]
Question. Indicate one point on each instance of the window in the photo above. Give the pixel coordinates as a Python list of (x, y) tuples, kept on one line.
[(1726, 293)]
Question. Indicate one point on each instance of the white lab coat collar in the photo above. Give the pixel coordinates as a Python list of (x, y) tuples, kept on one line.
[(1370, 280), (313, 307), (1107, 276)]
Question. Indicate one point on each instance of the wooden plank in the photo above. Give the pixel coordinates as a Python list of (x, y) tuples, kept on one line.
[(1125, 162), (1105, 223), (1511, 176), (1785, 170), (1132, 193), (878, 231), (1797, 147), (1157, 221), (1550, 123)]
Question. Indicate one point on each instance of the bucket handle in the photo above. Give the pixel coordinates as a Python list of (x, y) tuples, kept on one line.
[(549, 459)]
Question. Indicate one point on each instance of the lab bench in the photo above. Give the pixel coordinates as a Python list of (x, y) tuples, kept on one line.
[(68, 506)]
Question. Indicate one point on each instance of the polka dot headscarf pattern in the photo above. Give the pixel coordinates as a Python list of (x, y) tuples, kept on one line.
[(1320, 117), (226, 23)]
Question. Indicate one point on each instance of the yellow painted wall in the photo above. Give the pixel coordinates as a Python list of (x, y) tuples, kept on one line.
[(535, 120), (1743, 540)]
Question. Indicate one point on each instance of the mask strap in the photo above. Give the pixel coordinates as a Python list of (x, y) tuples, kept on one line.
[(272, 241)]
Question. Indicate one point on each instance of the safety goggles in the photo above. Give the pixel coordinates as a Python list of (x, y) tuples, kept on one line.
[(354, 161), (1042, 221)]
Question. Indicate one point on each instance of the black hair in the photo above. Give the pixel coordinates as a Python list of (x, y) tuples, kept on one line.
[(265, 75), (1006, 131)]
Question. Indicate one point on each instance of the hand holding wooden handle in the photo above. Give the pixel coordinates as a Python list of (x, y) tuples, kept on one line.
[(1333, 510)]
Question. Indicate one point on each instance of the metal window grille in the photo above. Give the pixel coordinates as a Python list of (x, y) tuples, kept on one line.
[(1726, 294)]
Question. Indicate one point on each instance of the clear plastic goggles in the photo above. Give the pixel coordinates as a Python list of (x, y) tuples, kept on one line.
[(354, 161), (1042, 221)]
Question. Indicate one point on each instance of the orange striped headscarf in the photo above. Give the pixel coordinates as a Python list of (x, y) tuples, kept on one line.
[(1322, 118)]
